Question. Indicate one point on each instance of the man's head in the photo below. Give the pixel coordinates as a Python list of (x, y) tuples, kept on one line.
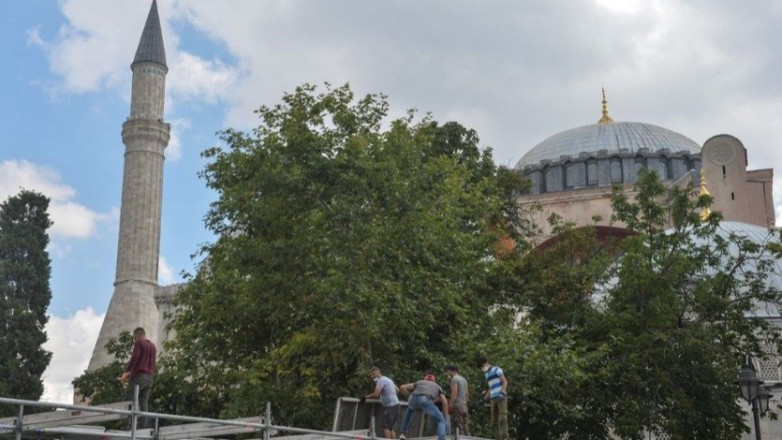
[(452, 370), (482, 362), (429, 376), (374, 373), (139, 334)]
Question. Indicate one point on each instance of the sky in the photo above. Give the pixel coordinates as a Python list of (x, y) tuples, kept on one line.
[(517, 71)]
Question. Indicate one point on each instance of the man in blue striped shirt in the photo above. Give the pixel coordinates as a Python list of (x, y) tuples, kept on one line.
[(497, 392)]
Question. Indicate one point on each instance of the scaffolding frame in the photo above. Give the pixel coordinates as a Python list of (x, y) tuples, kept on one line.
[(73, 422)]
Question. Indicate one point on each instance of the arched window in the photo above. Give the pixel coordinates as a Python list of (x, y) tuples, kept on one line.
[(662, 171), (664, 168), (640, 162), (570, 175), (616, 170), (537, 185), (592, 172), (554, 179)]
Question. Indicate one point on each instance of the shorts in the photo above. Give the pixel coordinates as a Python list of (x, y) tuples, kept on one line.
[(390, 414)]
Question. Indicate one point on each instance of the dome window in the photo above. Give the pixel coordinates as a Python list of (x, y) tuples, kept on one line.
[(574, 175), (662, 171), (592, 179), (554, 179), (616, 170)]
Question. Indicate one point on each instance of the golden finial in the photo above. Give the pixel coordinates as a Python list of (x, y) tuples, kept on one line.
[(706, 212), (605, 119)]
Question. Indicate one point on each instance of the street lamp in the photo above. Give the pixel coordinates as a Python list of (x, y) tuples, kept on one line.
[(754, 392)]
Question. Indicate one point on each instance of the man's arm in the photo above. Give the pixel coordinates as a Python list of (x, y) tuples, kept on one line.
[(407, 388), (135, 358), (444, 402), (504, 381), (374, 394), (454, 392)]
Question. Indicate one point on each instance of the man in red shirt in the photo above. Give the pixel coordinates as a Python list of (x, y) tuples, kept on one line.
[(139, 371)]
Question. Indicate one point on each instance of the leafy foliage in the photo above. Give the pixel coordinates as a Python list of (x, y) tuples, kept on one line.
[(25, 269), (341, 245), (103, 385), (346, 241), (659, 321)]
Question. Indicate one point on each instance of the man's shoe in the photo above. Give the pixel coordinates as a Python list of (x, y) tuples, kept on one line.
[(402, 437)]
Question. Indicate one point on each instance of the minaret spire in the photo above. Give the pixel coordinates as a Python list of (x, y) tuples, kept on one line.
[(150, 46), (605, 119), (145, 136)]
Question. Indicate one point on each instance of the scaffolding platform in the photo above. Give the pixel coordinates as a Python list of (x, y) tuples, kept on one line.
[(64, 417), (353, 420)]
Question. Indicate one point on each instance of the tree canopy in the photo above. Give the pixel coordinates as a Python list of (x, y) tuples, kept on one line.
[(345, 241), (25, 270), (659, 322)]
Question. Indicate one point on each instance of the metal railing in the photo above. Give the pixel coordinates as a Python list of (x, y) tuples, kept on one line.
[(67, 423)]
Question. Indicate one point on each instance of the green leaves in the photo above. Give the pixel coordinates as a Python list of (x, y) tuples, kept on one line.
[(342, 245), (25, 269)]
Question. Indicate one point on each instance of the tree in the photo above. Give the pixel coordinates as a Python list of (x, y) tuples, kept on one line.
[(103, 385), (677, 318), (661, 326), (169, 396), (24, 294), (341, 245)]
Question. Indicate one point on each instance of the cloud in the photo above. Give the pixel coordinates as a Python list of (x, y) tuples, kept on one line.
[(95, 46), (519, 73), (165, 272), (71, 340), (197, 78), (174, 149), (70, 219)]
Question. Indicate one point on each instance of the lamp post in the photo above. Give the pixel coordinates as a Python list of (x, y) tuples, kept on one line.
[(754, 392)]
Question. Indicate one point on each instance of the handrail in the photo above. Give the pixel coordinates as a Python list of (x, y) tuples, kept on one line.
[(264, 425)]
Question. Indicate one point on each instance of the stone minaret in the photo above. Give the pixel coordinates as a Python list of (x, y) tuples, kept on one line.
[(145, 136)]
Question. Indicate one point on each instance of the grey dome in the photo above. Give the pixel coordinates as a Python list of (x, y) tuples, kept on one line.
[(629, 137), (758, 235)]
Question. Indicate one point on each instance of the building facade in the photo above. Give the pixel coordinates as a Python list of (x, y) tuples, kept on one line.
[(573, 172)]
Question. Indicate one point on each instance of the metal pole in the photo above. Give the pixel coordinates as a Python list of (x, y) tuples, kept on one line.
[(268, 421), (19, 422), (372, 431), (757, 418), (750, 361), (134, 417)]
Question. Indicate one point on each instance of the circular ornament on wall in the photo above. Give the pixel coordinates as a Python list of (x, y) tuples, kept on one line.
[(721, 151)]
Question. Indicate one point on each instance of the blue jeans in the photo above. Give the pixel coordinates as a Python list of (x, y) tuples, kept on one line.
[(419, 401)]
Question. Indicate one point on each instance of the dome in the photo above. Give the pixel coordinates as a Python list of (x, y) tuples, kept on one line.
[(726, 230), (609, 138), (760, 236)]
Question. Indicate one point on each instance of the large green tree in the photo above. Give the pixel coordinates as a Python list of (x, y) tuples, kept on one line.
[(659, 322), (25, 269), (345, 240)]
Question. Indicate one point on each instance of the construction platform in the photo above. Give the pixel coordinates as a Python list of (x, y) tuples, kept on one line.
[(353, 419)]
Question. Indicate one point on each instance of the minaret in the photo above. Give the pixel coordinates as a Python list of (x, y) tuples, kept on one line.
[(145, 136)]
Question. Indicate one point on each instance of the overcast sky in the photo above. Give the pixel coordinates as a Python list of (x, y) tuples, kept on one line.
[(516, 71)]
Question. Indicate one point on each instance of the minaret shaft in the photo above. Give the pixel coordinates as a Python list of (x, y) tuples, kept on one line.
[(145, 136)]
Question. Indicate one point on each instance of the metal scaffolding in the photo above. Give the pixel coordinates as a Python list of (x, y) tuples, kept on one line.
[(75, 422)]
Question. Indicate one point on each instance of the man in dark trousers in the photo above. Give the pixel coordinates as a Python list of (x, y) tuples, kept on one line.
[(139, 371)]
